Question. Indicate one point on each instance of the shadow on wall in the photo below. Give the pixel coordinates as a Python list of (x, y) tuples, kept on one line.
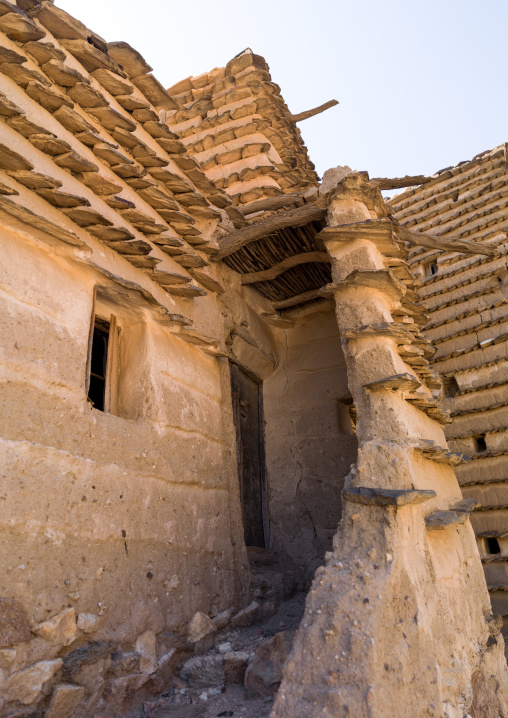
[(309, 438)]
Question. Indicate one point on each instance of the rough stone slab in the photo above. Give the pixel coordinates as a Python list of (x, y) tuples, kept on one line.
[(154, 92), (25, 686), (111, 119), (90, 57), (246, 616), (60, 629), (190, 291), (47, 97), (75, 162), (44, 51), (98, 183), (40, 223), (135, 247), (8, 108), (14, 626), (85, 217), (87, 96), (207, 280), (264, 674), (112, 82), (204, 671), (146, 648), (457, 514), (110, 234), (10, 160), (406, 381), (88, 622), (64, 701), (142, 261), (18, 26), (191, 260), (22, 75), (7, 55), (62, 199), (62, 74), (439, 454), (439, 520), (199, 627), (387, 497), (50, 145), (222, 619), (72, 120), (60, 23), (130, 60)]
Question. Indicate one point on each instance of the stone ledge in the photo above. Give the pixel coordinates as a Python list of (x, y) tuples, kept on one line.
[(387, 497)]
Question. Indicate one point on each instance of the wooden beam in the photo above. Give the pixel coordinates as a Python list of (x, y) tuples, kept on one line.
[(298, 299), (447, 244), (281, 267), (278, 202), (258, 230), (400, 182), (316, 111)]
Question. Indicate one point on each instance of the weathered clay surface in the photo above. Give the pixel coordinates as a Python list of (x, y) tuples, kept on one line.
[(377, 633), (14, 626)]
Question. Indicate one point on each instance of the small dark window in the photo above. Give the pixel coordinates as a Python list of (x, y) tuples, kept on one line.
[(479, 443), (98, 363), (431, 269), (450, 387), (493, 545)]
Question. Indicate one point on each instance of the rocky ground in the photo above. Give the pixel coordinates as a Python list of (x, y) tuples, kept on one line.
[(238, 673), (214, 684)]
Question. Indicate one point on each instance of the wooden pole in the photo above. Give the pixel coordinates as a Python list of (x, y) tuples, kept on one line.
[(316, 111), (258, 230)]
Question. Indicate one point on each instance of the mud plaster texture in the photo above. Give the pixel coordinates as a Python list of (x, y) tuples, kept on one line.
[(130, 520), (122, 544), (313, 446), (399, 618)]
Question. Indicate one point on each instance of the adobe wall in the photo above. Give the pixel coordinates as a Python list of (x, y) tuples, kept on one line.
[(117, 527), (310, 443), (128, 523)]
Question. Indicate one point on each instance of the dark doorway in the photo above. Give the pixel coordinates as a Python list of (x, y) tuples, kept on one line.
[(248, 417)]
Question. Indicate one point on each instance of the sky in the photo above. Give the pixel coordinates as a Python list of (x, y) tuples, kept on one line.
[(421, 85)]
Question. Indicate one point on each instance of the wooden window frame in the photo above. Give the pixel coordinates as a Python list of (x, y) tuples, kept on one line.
[(111, 377)]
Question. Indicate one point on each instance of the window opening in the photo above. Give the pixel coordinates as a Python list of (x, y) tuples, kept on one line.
[(99, 363), (450, 387), (479, 443), (433, 268), (493, 545)]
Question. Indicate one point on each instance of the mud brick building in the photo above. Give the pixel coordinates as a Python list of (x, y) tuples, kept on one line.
[(211, 356), (466, 303)]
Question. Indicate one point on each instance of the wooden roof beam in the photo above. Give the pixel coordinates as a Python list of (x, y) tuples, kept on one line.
[(400, 182), (294, 261), (447, 244), (299, 299), (278, 202), (316, 111), (259, 230)]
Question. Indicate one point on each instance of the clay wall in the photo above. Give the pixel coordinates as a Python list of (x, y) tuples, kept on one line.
[(116, 528), (310, 443), (466, 297), (126, 521)]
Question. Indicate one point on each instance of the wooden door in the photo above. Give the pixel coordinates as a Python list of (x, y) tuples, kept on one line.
[(248, 417)]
